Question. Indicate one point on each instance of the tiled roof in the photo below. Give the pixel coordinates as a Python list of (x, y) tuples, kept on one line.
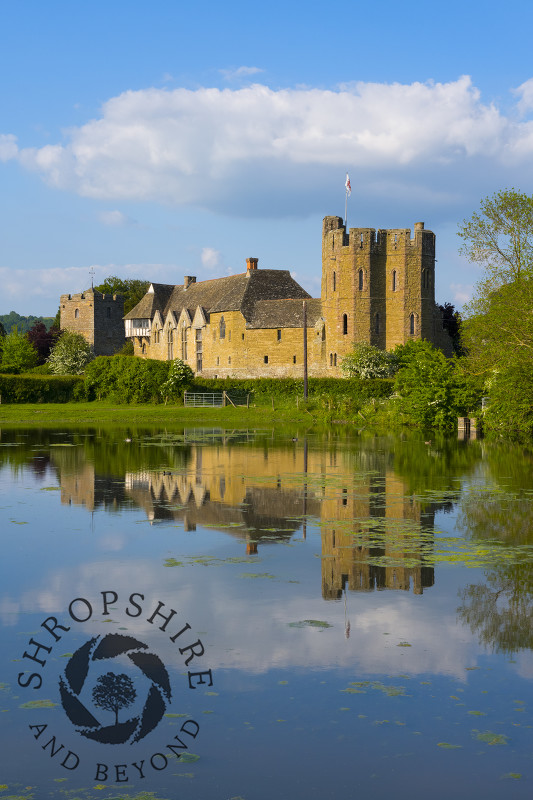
[(151, 302), (284, 313), (233, 293)]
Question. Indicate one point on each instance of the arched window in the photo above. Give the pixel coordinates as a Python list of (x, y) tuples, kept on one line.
[(222, 330), (76, 313), (334, 359), (108, 312), (394, 280), (334, 281), (376, 322), (412, 324), (345, 324), (360, 280), (331, 359), (170, 344)]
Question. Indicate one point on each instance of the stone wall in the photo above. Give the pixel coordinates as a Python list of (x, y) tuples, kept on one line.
[(98, 317)]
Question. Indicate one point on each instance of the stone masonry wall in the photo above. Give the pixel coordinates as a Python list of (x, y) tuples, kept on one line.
[(98, 317)]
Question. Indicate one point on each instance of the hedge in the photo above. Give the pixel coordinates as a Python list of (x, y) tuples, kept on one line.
[(290, 387), (126, 379), (41, 388)]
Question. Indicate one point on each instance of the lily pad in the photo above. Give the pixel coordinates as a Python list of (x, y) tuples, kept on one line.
[(310, 623)]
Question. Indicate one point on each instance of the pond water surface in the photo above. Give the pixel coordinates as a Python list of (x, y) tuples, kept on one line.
[(213, 614)]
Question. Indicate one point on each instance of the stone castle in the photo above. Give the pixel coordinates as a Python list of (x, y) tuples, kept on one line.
[(377, 287), (98, 317)]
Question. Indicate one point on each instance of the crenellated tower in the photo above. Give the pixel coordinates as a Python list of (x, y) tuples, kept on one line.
[(377, 287), (98, 317)]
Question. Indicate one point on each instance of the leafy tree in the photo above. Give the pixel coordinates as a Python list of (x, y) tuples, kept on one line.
[(42, 339), (497, 331), (368, 361), (500, 332), (22, 324), (500, 238), (451, 322), (180, 377), (132, 289), (18, 351), (113, 692), (432, 389), (70, 355)]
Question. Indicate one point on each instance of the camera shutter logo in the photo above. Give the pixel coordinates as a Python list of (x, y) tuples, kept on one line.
[(114, 690)]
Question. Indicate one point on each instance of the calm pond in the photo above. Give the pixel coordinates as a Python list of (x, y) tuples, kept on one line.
[(259, 614)]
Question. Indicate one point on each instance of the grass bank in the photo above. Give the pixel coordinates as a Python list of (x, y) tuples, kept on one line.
[(274, 412)]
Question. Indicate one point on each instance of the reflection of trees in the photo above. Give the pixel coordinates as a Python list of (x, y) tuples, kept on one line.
[(496, 509), (500, 610)]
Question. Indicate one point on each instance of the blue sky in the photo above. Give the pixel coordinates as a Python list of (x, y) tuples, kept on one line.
[(160, 139)]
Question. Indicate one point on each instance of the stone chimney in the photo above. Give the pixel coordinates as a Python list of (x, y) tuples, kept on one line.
[(187, 280), (251, 263)]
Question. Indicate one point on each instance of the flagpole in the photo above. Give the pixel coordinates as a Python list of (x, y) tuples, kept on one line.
[(348, 187), (346, 210)]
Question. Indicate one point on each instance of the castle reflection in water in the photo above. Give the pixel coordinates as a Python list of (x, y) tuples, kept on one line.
[(263, 493)]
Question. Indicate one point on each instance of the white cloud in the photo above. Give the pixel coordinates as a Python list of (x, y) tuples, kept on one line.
[(115, 219), (210, 258), (461, 293), (525, 94), (8, 147), (33, 288), (239, 72), (264, 151)]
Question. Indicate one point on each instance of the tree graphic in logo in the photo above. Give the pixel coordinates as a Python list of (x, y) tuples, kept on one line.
[(113, 692)]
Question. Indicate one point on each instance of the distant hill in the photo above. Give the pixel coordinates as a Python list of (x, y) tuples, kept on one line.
[(22, 324)]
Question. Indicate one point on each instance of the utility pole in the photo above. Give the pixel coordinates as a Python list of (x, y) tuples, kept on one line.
[(305, 348)]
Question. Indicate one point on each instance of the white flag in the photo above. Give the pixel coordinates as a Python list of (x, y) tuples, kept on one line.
[(348, 185)]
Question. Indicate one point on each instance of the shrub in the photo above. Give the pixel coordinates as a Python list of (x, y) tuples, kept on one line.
[(70, 355), (126, 379), (510, 406), (368, 361), (18, 352), (179, 378), (41, 388), (433, 390)]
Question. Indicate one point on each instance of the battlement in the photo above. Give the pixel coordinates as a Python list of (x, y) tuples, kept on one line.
[(97, 317), (334, 237), (91, 294)]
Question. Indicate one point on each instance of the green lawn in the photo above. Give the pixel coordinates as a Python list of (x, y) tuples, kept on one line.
[(101, 412)]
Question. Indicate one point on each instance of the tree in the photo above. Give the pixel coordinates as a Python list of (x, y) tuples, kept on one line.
[(113, 692), (497, 331), (500, 238), (451, 322), (432, 389), (18, 352), (42, 339), (180, 377), (70, 355), (132, 289), (368, 361)]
